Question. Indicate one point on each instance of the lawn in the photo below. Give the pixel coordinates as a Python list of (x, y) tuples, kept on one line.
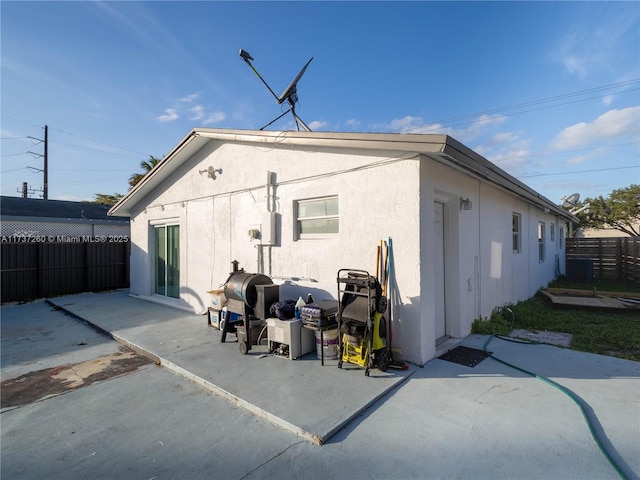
[(597, 331)]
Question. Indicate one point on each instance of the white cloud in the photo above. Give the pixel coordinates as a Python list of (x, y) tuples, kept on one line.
[(503, 137), (612, 125), (316, 124), (170, 114), (513, 158), (352, 123), (214, 117), (190, 98), (478, 127), (197, 112)]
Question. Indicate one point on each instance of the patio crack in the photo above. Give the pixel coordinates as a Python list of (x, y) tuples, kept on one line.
[(272, 458)]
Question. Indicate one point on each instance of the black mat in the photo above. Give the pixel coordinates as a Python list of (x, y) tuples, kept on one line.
[(469, 357)]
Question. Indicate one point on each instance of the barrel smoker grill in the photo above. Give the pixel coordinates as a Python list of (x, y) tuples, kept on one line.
[(251, 296)]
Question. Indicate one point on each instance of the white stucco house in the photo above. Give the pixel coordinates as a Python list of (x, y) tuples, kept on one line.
[(299, 206)]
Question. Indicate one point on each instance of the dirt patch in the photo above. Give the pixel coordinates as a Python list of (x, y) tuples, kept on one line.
[(553, 338), (37, 385)]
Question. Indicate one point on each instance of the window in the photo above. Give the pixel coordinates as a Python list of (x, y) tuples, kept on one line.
[(552, 232), (317, 218), (516, 232), (541, 243)]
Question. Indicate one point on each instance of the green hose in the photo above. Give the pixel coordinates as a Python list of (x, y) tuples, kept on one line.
[(576, 399)]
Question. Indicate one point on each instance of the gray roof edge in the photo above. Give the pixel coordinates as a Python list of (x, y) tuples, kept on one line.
[(120, 209), (491, 172), (407, 142)]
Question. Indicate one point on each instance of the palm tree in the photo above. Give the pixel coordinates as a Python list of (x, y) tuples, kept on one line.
[(147, 166)]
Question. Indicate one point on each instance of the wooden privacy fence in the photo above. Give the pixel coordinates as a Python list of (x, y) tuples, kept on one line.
[(33, 270), (614, 258)]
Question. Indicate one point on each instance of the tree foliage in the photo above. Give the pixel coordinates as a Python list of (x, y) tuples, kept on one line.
[(147, 166), (106, 199), (620, 211)]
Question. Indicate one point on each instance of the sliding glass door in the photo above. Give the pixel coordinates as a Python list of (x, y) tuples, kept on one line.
[(167, 261)]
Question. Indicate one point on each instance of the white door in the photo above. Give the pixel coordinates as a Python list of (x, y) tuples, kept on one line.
[(439, 270)]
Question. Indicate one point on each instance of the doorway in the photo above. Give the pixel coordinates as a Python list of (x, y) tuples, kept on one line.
[(167, 260), (439, 252)]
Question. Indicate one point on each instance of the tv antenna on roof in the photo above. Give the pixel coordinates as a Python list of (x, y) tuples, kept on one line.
[(290, 94)]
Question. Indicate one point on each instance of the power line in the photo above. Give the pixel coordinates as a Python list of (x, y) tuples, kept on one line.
[(579, 171), (450, 121)]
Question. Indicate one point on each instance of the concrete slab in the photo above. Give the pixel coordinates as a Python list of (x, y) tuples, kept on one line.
[(34, 336), (487, 422), (445, 421), (302, 396)]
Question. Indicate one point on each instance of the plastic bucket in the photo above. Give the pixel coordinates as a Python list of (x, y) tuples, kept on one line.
[(329, 344)]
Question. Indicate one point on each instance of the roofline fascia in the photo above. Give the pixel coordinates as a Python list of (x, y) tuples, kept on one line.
[(509, 183), (113, 211)]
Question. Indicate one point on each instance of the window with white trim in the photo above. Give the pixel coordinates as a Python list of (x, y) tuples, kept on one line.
[(541, 242), (552, 232), (317, 218), (516, 227)]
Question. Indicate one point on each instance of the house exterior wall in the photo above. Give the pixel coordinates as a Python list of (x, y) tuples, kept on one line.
[(378, 198), (481, 269), (381, 195)]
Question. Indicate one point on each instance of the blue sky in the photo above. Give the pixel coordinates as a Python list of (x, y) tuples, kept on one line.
[(549, 91)]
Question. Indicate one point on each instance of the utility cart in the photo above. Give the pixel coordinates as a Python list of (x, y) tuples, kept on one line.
[(362, 328)]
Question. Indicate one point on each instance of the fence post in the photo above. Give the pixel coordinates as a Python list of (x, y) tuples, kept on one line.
[(620, 257), (40, 270), (636, 260)]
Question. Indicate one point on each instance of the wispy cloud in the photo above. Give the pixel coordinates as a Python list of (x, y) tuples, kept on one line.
[(190, 98), (197, 112), (612, 125), (169, 115), (586, 50), (352, 123), (476, 128), (317, 125), (513, 157), (214, 117)]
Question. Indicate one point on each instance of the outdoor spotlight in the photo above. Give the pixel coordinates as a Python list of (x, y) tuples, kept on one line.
[(245, 55)]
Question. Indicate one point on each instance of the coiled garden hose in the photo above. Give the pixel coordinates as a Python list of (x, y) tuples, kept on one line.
[(582, 405)]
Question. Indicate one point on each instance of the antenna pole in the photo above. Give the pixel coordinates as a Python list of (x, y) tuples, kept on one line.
[(299, 120), (260, 77), (275, 119)]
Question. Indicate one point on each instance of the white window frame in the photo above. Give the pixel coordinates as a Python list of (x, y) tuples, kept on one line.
[(298, 235), (552, 232), (516, 233), (542, 246)]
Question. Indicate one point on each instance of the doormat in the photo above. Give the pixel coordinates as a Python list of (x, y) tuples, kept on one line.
[(469, 357)]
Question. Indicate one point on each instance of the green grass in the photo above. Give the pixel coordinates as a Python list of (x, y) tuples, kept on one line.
[(597, 331)]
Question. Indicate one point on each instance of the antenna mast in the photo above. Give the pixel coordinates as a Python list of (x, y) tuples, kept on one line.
[(290, 94)]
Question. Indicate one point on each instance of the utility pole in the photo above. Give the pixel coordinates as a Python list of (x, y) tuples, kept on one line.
[(45, 156), (45, 187)]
